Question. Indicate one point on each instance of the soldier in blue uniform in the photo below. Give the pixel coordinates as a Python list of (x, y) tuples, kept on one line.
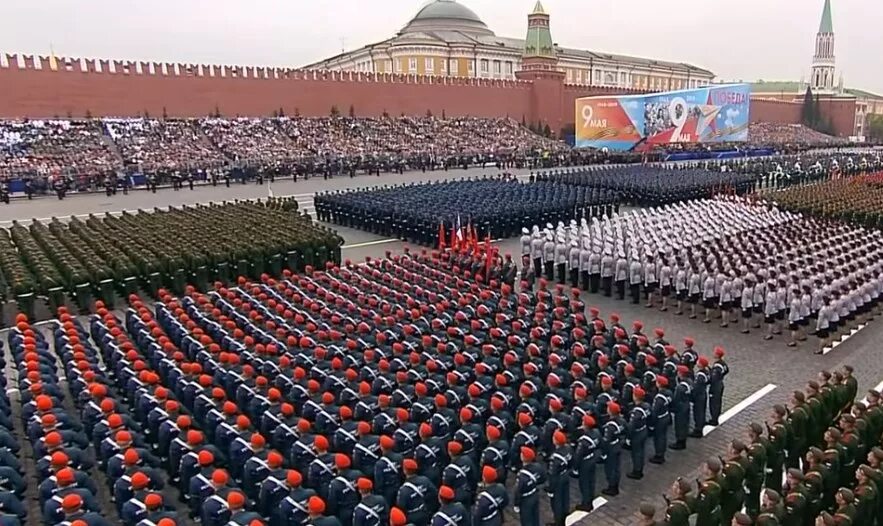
[(660, 419), (342, 493), (461, 474), (558, 487), (529, 480), (588, 451), (719, 372), (387, 475), (614, 434), (680, 405), (291, 508), (373, 510), (415, 497), (637, 432), (450, 511), (492, 499), (316, 508), (700, 396)]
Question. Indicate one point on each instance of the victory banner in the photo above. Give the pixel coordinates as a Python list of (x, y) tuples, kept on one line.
[(641, 122)]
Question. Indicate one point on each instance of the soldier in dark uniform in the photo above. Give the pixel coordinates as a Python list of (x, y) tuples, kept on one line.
[(588, 451), (491, 501), (660, 419), (528, 482), (638, 432), (719, 372), (733, 494), (701, 379), (450, 512), (558, 487), (614, 434), (680, 404), (415, 497)]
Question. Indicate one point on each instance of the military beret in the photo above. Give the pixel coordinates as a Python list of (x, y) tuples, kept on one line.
[(866, 470), (846, 494), (648, 510), (846, 417), (799, 396), (849, 369), (755, 428), (795, 473), (683, 486), (780, 410), (878, 453), (817, 453), (834, 432), (743, 519), (773, 496), (737, 445), (714, 465), (813, 385)]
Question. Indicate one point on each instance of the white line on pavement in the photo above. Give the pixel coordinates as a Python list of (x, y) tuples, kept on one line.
[(370, 243), (577, 516), (741, 406), (843, 338)]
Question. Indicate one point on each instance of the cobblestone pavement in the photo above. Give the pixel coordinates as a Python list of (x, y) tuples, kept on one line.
[(754, 363)]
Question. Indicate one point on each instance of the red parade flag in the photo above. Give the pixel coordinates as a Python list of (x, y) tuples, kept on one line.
[(441, 236)]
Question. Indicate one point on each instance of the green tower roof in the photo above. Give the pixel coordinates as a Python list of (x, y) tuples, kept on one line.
[(539, 38), (826, 26)]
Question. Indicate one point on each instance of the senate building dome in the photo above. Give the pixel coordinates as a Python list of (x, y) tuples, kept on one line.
[(446, 15)]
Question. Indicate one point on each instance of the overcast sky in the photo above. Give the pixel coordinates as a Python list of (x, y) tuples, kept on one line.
[(737, 39)]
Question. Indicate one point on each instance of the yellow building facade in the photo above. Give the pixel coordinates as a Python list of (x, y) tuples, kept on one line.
[(446, 38)]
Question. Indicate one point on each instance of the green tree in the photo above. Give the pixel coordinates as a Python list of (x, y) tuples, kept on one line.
[(809, 113), (335, 112), (875, 127), (165, 113), (444, 116), (428, 113), (352, 111), (547, 132)]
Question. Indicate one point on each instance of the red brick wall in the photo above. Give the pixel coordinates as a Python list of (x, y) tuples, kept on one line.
[(776, 111), (46, 93), (34, 90)]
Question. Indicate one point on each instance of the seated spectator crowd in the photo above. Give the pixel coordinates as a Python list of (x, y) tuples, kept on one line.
[(329, 397)]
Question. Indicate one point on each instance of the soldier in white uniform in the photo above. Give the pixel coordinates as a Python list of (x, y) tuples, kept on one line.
[(537, 242), (680, 284), (746, 304), (595, 269), (651, 280), (585, 257), (549, 256), (573, 263), (607, 271), (621, 274), (664, 284), (636, 276), (525, 242)]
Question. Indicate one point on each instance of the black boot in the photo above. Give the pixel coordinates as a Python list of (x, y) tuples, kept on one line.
[(612, 491), (680, 444), (696, 433), (657, 460), (635, 475)]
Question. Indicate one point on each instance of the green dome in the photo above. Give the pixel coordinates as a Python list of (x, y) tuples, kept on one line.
[(446, 15)]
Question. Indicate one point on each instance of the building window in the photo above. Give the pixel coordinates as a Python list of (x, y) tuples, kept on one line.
[(388, 66), (412, 65), (509, 70), (485, 66), (498, 68), (622, 79), (597, 76), (455, 67), (471, 65), (429, 65), (399, 65), (610, 79)]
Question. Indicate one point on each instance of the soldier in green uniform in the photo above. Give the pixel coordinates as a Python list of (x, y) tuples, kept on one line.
[(777, 431), (818, 420), (875, 462), (852, 447), (845, 501), (795, 499), (867, 495), (758, 446), (863, 429), (827, 479), (771, 507), (733, 487), (799, 420), (836, 456), (742, 519), (875, 414), (815, 493), (851, 385), (680, 504), (708, 509)]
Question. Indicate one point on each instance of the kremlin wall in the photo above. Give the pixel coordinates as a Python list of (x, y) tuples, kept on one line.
[(43, 87)]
